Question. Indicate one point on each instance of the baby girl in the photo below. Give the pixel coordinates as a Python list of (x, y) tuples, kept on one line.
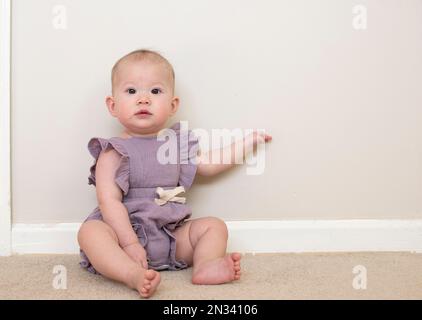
[(140, 227)]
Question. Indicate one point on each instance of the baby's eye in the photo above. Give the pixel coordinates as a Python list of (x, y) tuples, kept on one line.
[(131, 91), (156, 91)]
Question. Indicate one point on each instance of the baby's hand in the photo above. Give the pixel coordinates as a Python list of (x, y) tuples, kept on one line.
[(137, 253)]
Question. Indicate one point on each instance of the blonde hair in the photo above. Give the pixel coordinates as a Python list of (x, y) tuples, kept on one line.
[(142, 55)]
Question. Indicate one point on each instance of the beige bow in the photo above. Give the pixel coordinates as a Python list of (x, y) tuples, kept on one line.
[(169, 195)]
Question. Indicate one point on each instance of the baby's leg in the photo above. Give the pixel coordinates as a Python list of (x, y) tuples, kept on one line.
[(100, 244), (202, 243)]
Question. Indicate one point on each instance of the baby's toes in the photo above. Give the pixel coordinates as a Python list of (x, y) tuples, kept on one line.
[(146, 284), (236, 257), (236, 267)]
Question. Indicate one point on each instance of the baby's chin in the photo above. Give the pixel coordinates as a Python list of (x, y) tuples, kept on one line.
[(145, 130)]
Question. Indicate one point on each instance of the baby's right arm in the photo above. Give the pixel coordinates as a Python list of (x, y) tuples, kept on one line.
[(109, 198)]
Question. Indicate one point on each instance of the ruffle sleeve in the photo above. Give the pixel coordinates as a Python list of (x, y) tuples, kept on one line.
[(95, 146), (189, 147)]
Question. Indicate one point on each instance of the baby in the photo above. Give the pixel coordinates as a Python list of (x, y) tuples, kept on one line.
[(140, 227)]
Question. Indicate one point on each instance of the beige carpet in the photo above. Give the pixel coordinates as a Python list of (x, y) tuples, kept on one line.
[(265, 276)]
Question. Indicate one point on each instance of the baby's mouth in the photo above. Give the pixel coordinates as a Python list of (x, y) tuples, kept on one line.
[(143, 112)]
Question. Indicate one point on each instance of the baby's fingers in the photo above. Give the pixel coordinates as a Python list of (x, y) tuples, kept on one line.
[(142, 261), (267, 137), (263, 137)]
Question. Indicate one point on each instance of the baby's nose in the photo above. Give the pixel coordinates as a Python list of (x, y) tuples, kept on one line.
[(144, 100)]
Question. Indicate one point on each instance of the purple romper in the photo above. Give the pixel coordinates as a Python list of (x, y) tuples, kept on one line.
[(138, 176)]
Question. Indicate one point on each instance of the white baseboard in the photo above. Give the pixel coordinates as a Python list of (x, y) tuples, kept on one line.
[(256, 236), (326, 236), (58, 238)]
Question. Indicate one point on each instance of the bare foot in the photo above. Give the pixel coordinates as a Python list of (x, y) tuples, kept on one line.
[(146, 281), (218, 271)]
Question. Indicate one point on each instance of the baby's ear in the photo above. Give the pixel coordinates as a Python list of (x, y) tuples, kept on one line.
[(111, 106), (174, 105)]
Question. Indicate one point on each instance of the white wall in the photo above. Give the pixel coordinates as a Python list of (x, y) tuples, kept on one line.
[(343, 105)]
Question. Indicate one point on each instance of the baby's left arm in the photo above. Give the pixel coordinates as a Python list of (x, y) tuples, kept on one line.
[(206, 167)]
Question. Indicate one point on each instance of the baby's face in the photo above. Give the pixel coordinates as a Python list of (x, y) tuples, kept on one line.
[(143, 97)]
